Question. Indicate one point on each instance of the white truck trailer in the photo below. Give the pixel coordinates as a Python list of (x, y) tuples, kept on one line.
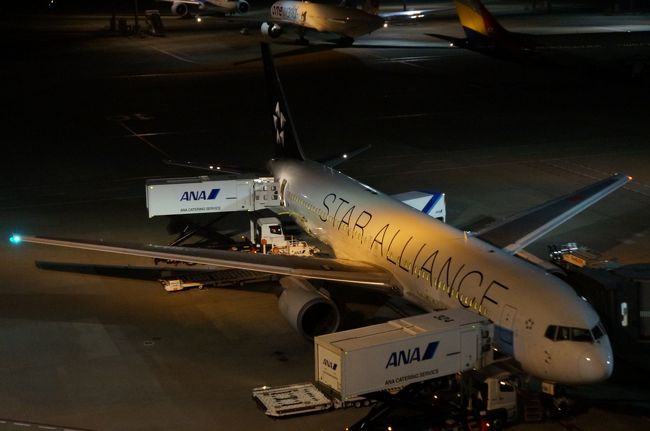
[(210, 194), (351, 364), (393, 354)]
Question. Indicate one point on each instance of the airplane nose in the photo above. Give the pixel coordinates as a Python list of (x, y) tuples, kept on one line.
[(597, 363)]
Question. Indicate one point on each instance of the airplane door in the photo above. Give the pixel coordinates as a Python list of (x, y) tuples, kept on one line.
[(504, 331), (283, 187)]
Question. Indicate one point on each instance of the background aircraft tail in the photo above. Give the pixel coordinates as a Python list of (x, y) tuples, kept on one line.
[(479, 24), (287, 145)]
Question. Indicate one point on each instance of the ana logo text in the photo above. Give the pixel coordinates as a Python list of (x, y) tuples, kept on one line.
[(200, 195), (404, 357), (330, 364)]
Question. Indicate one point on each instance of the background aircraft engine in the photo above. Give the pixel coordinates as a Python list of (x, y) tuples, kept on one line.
[(180, 9), (309, 311), (271, 30), (242, 6)]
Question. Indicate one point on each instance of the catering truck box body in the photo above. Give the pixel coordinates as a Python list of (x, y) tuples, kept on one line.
[(394, 354), (210, 194)]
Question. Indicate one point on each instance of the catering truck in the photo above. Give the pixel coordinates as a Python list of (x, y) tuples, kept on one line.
[(350, 365), (393, 354), (212, 194), (445, 357)]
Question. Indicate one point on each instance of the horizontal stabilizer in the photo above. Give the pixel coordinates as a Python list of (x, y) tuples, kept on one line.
[(431, 203), (213, 167), (340, 158), (518, 231)]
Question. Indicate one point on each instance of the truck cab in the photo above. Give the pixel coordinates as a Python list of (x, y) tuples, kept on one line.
[(269, 232), (492, 394), (499, 398)]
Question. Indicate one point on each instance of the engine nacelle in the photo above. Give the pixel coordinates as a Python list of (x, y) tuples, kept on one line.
[(181, 9), (271, 30), (310, 312), (243, 6)]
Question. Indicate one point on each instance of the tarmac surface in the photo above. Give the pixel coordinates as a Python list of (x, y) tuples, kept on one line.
[(88, 116)]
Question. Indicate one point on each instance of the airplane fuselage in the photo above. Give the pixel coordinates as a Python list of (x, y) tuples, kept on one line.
[(438, 266), (327, 18), (208, 7)]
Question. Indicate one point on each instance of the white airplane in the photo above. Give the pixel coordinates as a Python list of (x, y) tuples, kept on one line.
[(550, 331), (188, 8), (344, 19)]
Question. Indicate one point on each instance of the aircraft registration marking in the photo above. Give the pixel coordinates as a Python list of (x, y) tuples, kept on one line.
[(284, 12)]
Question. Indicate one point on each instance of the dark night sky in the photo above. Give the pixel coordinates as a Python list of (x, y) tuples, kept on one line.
[(128, 5)]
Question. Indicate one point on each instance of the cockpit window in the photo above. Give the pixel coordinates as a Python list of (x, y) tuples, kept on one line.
[(598, 331), (579, 334), (550, 332), (564, 333)]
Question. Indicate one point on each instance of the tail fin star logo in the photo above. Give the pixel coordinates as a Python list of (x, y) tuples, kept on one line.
[(279, 120)]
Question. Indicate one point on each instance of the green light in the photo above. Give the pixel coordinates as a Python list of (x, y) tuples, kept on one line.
[(15, 239)]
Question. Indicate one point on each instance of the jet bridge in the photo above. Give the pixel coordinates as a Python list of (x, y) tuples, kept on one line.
[(208, 194)]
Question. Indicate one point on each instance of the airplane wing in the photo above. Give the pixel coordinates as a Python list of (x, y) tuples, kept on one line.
[(297, 266), (515, 233)]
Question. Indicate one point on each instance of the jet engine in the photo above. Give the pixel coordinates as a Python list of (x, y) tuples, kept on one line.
[(309, 311), (271, 30), (243, 6), (181, 9)]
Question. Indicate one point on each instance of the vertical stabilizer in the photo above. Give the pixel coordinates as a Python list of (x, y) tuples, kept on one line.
[(478, 23), (287, 145)]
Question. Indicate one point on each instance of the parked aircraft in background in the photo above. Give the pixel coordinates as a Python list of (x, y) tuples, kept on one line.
[(345, 19), (188, 8), (549, 331), (484, 34)]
